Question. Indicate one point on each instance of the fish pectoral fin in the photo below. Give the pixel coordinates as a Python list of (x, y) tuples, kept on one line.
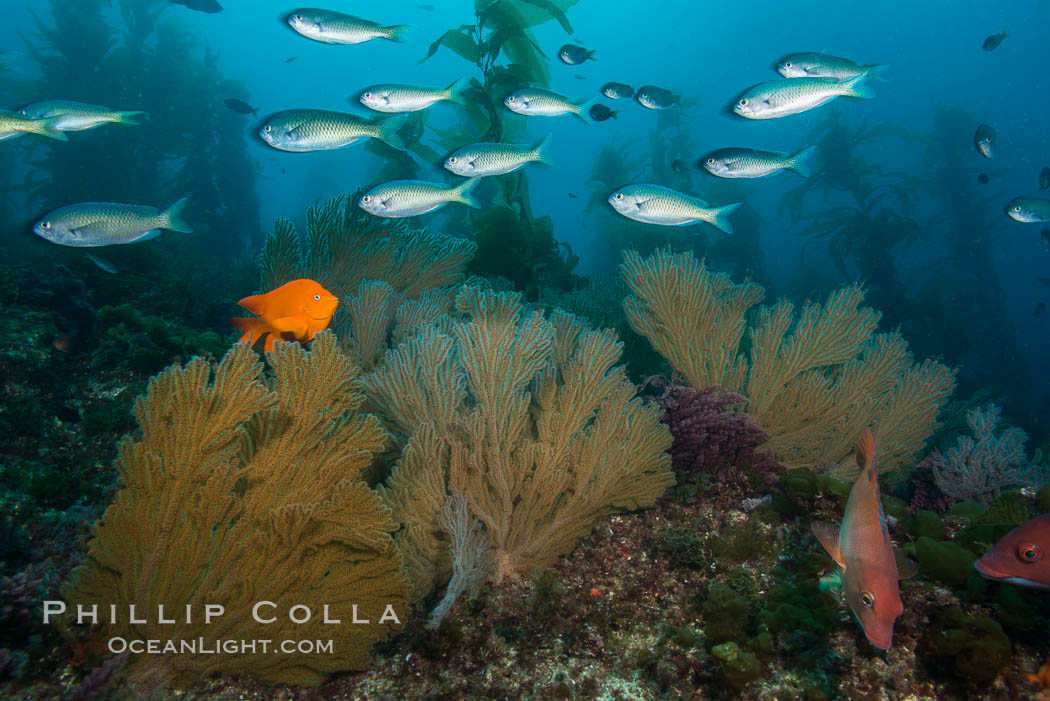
[(828, 536), (291, 324), (906, 569), (92, 230)]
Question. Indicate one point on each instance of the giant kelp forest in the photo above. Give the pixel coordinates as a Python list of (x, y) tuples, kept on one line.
[(562, 486)]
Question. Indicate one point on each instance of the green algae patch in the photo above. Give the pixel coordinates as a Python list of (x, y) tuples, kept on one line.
[(946, 562)]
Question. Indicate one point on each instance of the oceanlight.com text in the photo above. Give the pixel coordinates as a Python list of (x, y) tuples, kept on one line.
[(200, 646)]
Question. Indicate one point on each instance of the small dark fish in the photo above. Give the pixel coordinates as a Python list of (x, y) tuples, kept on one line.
[(580, 76), (1039, 310), (572, 196), (239, 106), (284, 170), (209, 6), (574, 55), (1044, 178), (993, 41), (982, 178), (986, 141), (656, 98), (679, 166), (289, 60), (617, 91), (428, 7), (600, 113), (1045, 235)]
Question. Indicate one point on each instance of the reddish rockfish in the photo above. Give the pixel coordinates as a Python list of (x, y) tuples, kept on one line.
[(299, 308), (1019, 557), (863, 551)]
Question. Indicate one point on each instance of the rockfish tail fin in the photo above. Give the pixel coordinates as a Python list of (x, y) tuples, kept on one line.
[(396, 32), (463, 193), (456, 90), (388, 129), (855, 87), (583, 110), (130, 117), (802, 162), (719, 217), (877, 71), (174, 217), (540, 152)]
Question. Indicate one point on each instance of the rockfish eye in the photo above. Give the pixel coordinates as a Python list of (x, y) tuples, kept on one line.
[(1029, 552), (45, 225), (787, 64), (453, 160), (618, 195), (367, 96), (366, 199), (1017, 208), (317, 298), (867, 599), (710, 161), (267, 129), (297, 18), (743, 102)]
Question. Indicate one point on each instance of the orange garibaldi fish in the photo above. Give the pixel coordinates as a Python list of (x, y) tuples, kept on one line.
[(1020, 556), (862, 548), (294, 311)]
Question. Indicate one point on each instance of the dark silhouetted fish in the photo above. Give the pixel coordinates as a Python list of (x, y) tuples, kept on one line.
[(986, 141), (679, 166), (209, 6), (656, 98), (600, 113), (993, 41), (572, 196), (290, 59), (982, 178), (1044, 178), (1045, 235), (239, 106), (427, 7), (574, 55), (580, 76), (617, 91), (1039, 310)]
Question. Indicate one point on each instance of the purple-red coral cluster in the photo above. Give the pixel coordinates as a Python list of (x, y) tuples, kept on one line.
[(711, 434)]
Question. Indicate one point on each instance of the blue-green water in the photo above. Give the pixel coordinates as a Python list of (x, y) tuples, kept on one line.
[(899, 201)]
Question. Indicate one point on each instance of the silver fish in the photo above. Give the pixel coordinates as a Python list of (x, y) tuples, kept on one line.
[(330, 27), (409, 98), (751, 163), (781, 98), (409, 198), (814, 65), (480, 160), (13, 124), (321, 130), (79, 116), (544, 103), (1029, 210), (109, 223), (986, 141), (655, 204)]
